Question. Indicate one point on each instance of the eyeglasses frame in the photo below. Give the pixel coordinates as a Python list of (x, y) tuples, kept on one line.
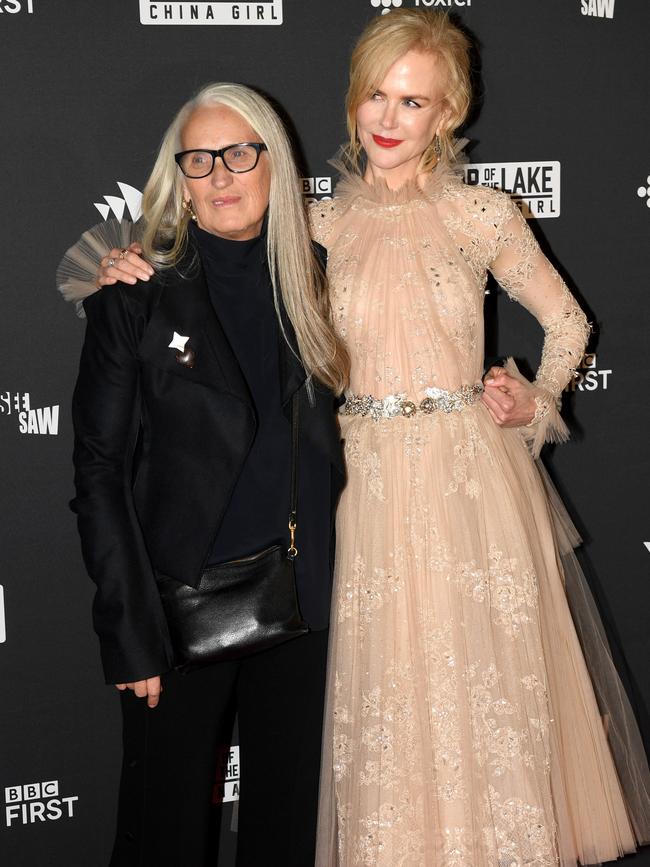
[(258, 146)]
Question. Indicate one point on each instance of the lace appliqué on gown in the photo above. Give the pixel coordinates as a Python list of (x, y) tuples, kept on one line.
[(462, 728)]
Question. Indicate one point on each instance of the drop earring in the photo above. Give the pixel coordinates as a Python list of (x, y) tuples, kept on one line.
[(437, 147), (187, 207)]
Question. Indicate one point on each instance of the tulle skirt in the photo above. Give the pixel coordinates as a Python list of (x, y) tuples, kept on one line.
[(463, 727)]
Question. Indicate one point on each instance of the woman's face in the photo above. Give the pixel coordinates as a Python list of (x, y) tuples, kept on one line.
[(226, 204), (398, 123)]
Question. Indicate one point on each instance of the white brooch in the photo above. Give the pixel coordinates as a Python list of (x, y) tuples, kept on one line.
[(178, 342), (183, 356)]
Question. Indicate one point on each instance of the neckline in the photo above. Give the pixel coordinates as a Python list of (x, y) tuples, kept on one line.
[(227, 249), (351, 185)]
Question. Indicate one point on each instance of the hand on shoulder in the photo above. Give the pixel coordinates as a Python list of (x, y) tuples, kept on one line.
[(125, 266)]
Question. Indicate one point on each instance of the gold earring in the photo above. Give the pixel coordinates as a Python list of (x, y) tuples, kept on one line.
[(186, 204), (437, 147)]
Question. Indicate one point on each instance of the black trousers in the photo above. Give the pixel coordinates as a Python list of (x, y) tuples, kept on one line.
[(170, 754)]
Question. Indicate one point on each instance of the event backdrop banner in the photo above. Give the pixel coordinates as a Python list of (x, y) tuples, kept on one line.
[(561, 123)]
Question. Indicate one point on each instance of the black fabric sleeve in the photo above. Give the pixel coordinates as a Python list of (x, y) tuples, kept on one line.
[(127, 611)]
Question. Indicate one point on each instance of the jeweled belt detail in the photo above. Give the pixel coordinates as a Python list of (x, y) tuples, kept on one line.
[(436, 400)]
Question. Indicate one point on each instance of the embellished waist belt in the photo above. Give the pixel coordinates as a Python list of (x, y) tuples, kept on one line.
[(436, 400)]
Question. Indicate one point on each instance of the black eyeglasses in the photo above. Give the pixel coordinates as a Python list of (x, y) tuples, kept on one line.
[(237, 158)]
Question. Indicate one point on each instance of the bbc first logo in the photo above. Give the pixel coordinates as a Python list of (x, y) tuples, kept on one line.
[(37, 802)]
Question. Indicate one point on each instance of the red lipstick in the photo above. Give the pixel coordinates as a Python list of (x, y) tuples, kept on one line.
[(386, 142)]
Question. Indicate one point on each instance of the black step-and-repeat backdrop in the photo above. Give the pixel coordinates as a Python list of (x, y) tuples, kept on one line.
[(87, 89)]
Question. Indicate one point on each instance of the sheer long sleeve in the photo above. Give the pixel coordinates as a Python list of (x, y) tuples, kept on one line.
[(528, 277)]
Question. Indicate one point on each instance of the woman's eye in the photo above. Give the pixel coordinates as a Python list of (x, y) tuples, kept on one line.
[(412, 103)]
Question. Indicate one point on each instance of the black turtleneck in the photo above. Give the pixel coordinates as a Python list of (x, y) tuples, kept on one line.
[(240, 290)]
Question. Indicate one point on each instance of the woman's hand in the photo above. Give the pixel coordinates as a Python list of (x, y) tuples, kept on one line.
[(149, 689), (511, 403), (127, 266)]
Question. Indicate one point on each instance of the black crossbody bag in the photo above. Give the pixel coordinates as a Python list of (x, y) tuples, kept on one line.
[(242, 606)]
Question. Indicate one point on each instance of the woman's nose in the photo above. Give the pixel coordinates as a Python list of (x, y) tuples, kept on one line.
[(220, 176), (389, 117)]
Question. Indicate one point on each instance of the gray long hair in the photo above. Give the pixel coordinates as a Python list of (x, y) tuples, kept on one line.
[(296, 274)]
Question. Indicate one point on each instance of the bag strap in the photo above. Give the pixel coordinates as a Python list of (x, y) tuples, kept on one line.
[(292, 551)]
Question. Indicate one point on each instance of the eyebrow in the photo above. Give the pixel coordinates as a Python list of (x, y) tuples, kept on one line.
[(421, 98)]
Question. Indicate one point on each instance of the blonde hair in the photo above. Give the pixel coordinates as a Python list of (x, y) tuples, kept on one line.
[(389, 37), (296, 273)]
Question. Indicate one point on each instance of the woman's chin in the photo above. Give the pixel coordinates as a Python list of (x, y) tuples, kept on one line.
[(391, 161)]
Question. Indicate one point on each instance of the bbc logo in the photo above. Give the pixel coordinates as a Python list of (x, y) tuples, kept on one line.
[(31, 792), (316, 186)]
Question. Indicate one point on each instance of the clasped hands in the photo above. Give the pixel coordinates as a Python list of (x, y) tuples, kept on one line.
[(510, 402)]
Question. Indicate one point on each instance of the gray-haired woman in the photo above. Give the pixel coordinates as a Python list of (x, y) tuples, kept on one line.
[(183, 460)]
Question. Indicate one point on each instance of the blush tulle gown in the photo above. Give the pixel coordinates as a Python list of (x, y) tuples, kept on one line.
[(464, 727)]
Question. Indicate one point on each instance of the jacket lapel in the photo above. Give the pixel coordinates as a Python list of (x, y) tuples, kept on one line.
[(184, 307)]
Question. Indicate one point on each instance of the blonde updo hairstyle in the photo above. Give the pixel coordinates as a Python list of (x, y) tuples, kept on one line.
[(385, 40), (296, 274)]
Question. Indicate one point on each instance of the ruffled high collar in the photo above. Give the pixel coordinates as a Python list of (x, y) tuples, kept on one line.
[(351, 185)]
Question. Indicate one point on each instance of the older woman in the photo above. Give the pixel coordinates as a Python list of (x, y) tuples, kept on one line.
[(183, 459)]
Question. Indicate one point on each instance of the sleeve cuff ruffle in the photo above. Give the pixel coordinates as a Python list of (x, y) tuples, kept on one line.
[(548, 426)]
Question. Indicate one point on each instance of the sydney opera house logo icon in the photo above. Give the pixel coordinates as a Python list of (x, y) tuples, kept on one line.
[(115, 206)]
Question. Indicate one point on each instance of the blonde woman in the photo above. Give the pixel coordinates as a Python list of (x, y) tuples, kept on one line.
[(183, 460), (462, 727)]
